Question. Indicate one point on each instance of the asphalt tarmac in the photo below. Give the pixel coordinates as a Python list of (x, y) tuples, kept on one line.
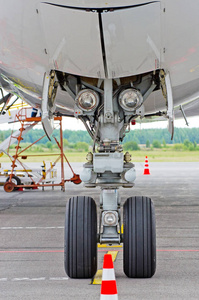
[(32, 240)]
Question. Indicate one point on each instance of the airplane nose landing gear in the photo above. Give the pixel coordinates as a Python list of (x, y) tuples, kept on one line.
[(109, 168)]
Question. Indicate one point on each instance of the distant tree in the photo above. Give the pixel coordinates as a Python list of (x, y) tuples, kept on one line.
[(49, 145), (131, 146), (191, 147), (164, 143), (81, 146), (137, 135), (147, 144), (1, 136), (178, 147), (186, 143), (38, 149), (156, 144), (65, 143)]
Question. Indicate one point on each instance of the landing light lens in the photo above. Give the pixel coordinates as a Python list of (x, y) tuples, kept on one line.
[(130, 99), (110, 218), (87, 100)]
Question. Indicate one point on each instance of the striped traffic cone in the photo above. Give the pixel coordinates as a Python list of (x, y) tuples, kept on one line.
[(108, 287), (146, 167)]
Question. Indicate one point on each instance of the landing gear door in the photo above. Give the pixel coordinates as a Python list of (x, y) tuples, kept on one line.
[(132, 39), (73, 41)]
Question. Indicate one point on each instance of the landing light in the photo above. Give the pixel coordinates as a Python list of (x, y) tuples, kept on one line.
[(109, 218), (87, 100), (130, 99)]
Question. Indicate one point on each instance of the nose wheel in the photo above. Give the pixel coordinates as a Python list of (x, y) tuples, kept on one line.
[(80, 248), (139, 238)]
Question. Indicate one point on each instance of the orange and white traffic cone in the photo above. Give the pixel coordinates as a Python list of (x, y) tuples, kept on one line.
[(146, 167), (108, 287)]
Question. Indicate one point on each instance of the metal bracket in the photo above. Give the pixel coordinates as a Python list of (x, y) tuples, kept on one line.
[(108, 101), (47, 120), (5, 100), (149, 91), (110, 203), (184, 116), (170, 109)]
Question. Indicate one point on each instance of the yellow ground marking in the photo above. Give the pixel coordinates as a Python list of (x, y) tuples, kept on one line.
[(98, 276), (114, 254), (108, 246), (194, 69)]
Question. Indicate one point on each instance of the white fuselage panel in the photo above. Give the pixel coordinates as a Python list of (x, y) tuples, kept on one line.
[(82, 37), (98, 3), (132, 40), (73, 40)]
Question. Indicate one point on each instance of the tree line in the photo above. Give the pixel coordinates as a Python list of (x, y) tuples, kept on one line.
[(72, 136), (138, 136), (180, 135)]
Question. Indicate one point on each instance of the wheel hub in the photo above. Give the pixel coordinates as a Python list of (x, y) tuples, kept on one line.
[(9, 187)]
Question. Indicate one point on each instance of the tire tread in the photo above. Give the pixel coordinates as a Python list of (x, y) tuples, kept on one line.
[(80, 247), (139, 238)]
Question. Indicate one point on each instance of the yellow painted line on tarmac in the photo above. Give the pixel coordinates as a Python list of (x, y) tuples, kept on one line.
[(108, 246), (98, 276), (114, 254)]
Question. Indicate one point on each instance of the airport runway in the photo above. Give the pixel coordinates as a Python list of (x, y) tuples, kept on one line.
[(32, 235)]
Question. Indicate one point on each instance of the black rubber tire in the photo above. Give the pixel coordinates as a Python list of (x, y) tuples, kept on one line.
[(139, 238), (16, 180), (80, 247)]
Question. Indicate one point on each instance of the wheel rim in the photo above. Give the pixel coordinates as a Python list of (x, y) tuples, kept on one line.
[(9, 187), (13, 180)]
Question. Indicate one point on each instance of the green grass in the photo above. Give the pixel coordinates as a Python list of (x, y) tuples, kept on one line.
[(40, 156), (156, 155), (165, 156)]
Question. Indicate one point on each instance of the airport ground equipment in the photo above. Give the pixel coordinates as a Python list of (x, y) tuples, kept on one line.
[(33, 179), (26, 176)]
